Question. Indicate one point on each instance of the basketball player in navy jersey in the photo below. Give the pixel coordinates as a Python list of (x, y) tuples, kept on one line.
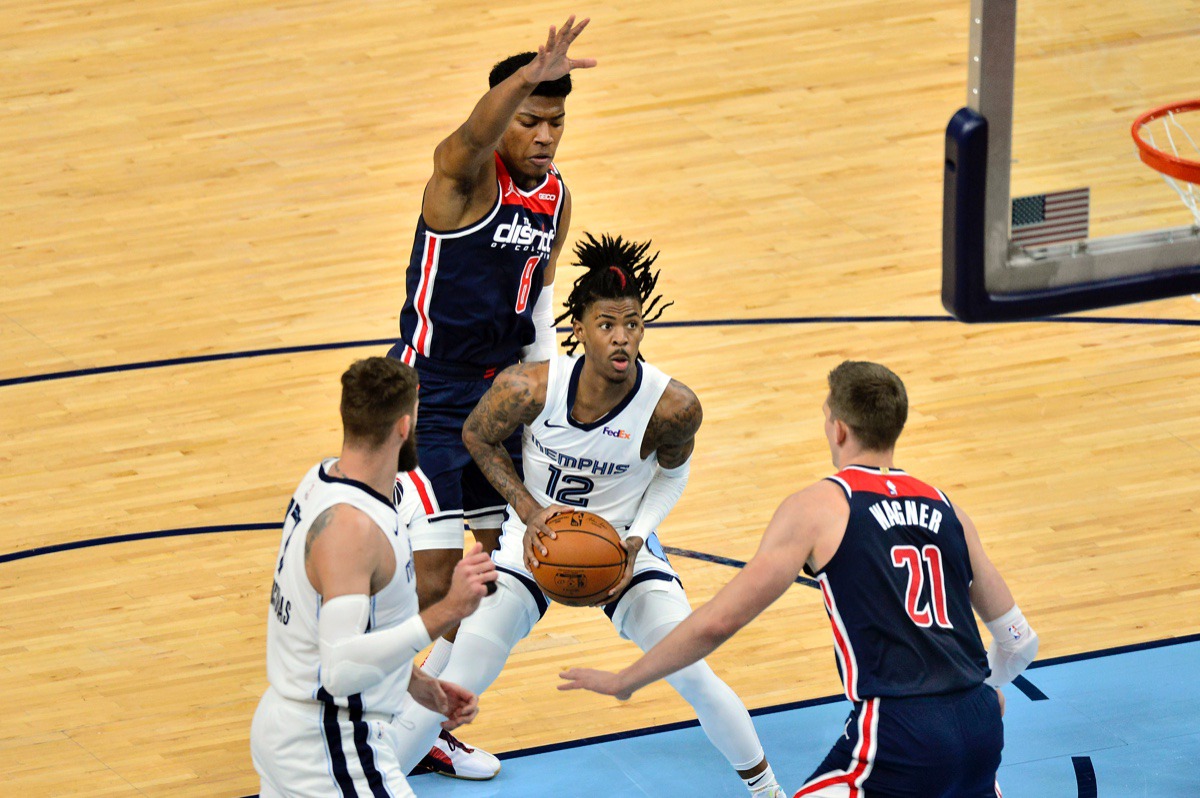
[(611, 433), (900, 569), (343, 626), (479, 291)]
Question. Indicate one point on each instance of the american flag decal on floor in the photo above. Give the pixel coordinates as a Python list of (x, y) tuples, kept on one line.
[(1050, 218)]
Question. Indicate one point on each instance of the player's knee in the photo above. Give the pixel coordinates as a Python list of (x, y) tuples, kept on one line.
[(435, 569), (489, 538)]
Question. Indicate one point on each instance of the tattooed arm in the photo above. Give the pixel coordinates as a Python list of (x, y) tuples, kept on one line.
[(515, 398), (672, 429), (345, 553)]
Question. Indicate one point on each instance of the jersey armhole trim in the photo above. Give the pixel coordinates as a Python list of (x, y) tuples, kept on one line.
[(845, 485)]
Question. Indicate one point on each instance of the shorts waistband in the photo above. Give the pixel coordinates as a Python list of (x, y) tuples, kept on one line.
[(327, 701), (450, 370)]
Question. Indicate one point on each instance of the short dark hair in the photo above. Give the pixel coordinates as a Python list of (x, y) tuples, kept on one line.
[(376, 392), (871, 400), (615, 269), (547, 88)]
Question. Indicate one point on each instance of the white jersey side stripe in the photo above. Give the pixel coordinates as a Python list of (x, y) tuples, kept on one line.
[(841, 639), (852, 778)]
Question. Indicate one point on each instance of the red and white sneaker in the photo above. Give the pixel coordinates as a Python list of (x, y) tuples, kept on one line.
[(451, 757)]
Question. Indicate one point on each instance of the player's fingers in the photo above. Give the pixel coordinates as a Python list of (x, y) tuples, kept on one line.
[(582, 63)]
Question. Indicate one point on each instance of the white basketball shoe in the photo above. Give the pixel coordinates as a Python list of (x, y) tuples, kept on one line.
[(451, 757)]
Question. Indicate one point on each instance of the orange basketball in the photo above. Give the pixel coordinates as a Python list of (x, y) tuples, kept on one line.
[(585, 561)]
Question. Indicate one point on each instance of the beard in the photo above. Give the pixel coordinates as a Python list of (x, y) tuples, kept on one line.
[(407, 460)]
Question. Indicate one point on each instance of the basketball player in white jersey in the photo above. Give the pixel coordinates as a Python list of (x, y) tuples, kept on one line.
[(343, 627), (614, 435)]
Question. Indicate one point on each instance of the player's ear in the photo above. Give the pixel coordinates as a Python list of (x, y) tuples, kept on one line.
[(406, 423), (841, 431)]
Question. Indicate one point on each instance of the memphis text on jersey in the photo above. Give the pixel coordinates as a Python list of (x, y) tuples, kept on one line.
[(598, 467)]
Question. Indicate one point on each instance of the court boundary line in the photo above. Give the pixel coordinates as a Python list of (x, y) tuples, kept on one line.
[(785, 320), (1085, 774)]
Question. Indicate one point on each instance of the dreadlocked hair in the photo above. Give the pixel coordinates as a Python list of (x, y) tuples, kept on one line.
[(615, 269)]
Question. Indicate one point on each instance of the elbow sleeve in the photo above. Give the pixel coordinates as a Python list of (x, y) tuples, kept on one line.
[(545, 343), (353, 659), (664, 491)]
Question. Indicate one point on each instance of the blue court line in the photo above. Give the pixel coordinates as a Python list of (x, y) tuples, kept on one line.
[(159, 533), (1085, 776), (1085, 772), (732, 563), (1027, 687), (782, 320)]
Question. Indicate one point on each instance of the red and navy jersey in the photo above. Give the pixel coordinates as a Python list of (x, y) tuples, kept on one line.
[(897, 591), (471, 291)]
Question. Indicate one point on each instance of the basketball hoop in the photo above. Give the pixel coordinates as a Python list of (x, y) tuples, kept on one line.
[(1181, 170)]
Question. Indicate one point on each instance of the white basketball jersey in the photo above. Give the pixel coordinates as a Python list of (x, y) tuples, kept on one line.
[(596, 466), (293, 655)]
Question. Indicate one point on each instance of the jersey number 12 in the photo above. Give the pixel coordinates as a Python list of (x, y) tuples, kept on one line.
[(569, 489)]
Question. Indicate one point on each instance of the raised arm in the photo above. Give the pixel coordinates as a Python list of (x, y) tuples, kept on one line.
[(463, 170)]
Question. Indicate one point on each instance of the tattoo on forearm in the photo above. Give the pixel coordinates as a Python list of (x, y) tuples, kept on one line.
[(509, 403), (318, 526)]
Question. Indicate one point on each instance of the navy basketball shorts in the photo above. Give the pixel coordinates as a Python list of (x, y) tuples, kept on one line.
[(921, 747), (458, 489)]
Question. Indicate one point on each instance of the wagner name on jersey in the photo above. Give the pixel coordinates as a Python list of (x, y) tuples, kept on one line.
[(897, 590)]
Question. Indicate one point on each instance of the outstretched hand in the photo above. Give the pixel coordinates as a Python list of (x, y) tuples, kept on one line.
[(601, 682), (552, 62)]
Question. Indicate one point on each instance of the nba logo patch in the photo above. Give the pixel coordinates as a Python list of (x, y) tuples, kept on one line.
[(892, 488)]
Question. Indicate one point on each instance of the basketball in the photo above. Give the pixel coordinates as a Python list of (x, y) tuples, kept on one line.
[(584, 562)]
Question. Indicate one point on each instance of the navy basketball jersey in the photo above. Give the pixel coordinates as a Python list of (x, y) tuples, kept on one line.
[(897, 591), (471, 291)]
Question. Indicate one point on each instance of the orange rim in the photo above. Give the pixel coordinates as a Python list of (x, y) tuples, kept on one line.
[(1166, 163)]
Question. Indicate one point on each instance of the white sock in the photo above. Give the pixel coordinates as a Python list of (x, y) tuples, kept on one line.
[(762, 782), (435, 663)]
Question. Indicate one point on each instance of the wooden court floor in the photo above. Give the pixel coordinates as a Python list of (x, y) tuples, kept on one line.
[(187, 180)]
